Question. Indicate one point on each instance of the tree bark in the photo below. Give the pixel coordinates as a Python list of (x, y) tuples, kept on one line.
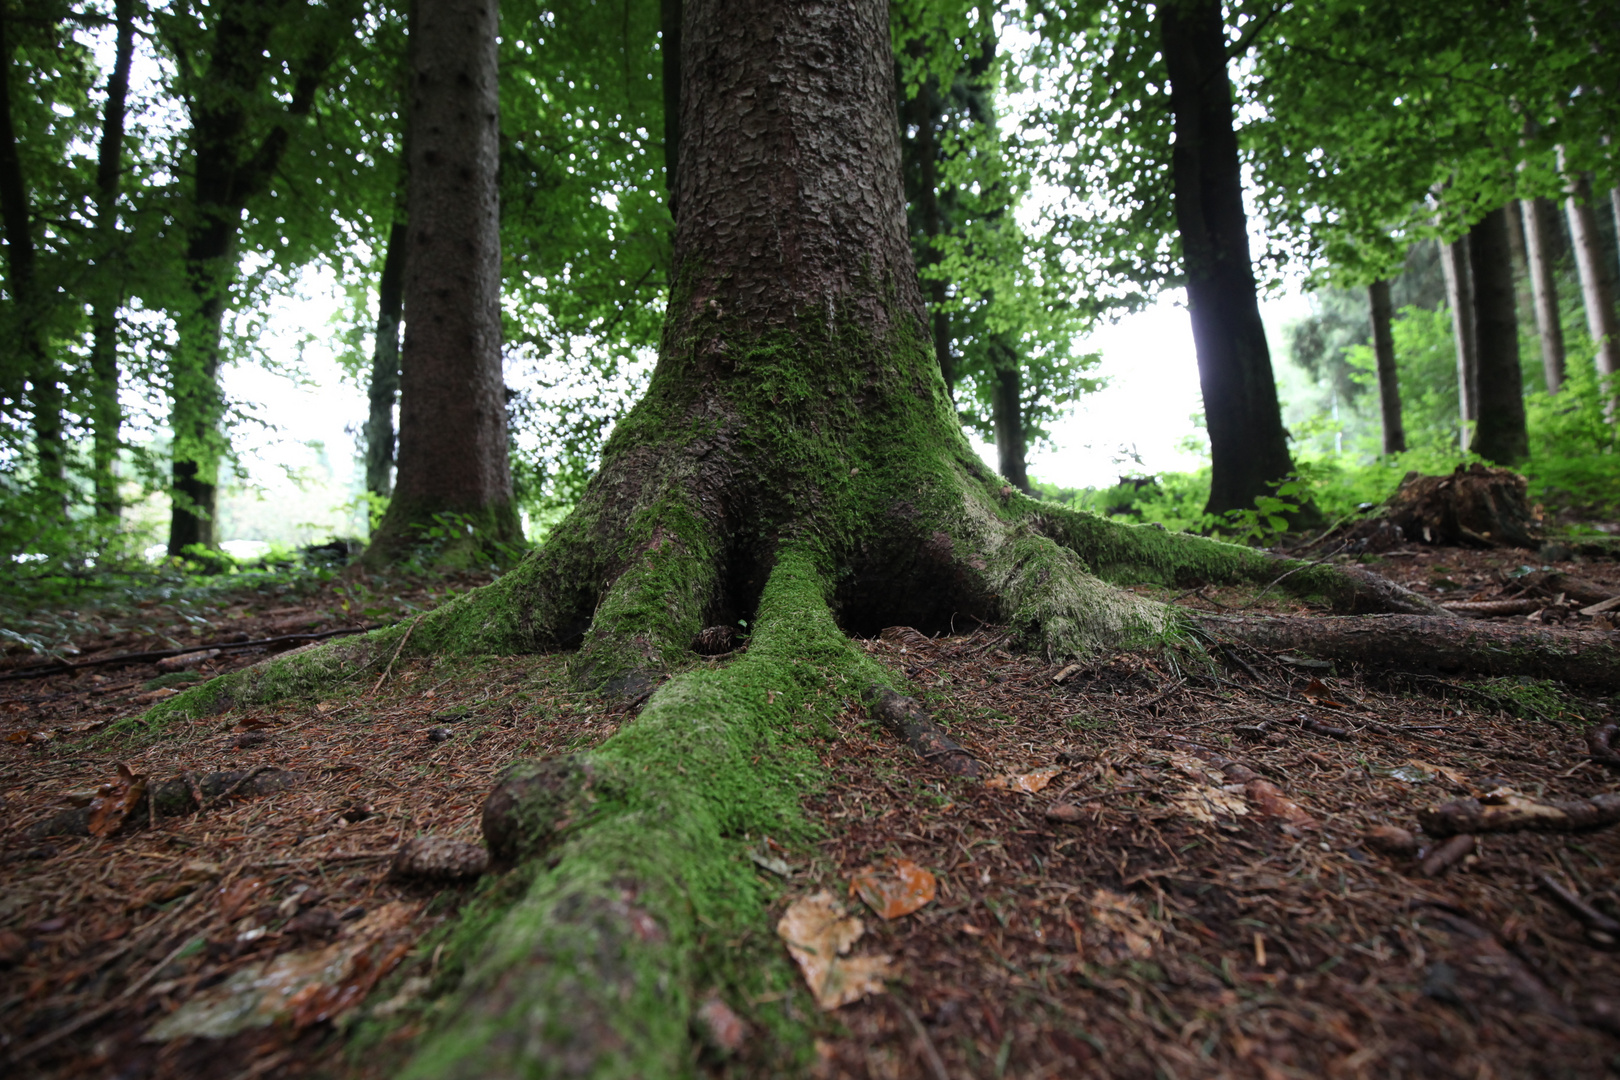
[(452, 417), (1501, 436), (921, 156), (1538, 225), (1523, 303), (1389, 386), (1596, 296), (670, 49), (1248, 446), (106, 414), (1454, 265), (1007, 414), (35, 364), (383, 392)]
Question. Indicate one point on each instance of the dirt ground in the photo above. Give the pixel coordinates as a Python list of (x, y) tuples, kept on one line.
[(1175, 920)]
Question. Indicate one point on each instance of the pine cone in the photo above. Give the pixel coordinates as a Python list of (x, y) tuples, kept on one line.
[(439, 858)]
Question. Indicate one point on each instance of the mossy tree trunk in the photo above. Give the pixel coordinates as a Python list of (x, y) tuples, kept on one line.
[(452, 455)]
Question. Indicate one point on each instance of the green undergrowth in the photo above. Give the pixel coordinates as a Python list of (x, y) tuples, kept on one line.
[(1529, 699), (718, 759)]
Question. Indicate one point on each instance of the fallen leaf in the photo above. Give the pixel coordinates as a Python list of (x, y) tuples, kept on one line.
[(1204, 804), (1271, 802), (301, 987), (236, 896), (1029, 783), (1316, 692), (114, 801), (1439, 770), (892, 893), (817, 933)]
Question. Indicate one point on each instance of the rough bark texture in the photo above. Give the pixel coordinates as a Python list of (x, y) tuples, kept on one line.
[(1389, 385), (452, 418), (383, 391), (1454, 265), (1500, 435), (1475, 506), (1539, 227), (1248, 446), (669, 45), (107, 416), (1596, 296), (1510, 812), (1007, 412)]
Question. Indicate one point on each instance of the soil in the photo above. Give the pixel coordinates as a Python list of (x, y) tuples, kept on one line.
[(1167, 925)]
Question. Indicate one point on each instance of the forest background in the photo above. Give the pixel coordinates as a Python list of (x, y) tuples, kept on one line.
[(1038, 146)]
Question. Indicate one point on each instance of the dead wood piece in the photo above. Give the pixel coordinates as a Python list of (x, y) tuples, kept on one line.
[(1269, 800), (1392, 840), (1487, 949), (1475, 506), (1602, 606), (63, 667), (1555, 582), (907, 718), (1446, 855), (439, 858), (1595, 921), (534, 802), (905, 637), (1484, 609), (714, 640), (1507, 811), (1600, 740), (172, 798), (1317, 727), (186, 661), (1417, 642)]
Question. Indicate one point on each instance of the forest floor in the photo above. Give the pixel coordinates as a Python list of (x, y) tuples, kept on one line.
[(1209, 903)]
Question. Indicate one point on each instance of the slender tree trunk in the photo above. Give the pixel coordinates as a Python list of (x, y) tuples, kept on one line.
[(106, 414), (1524, 303), (925, 113), (1501, 436), (1389, 387), (670, 49), (34, 363), (1538, 226), (384, 389), (1460, 297), (452, 418), (1249, 448), (1596, 295), (1007, 414)]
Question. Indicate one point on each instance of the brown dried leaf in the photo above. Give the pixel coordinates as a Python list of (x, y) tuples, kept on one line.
[(1317, 693), (1029, 783), (1206, 803), (895, 892), (1271, 802), (1116, 930), (817, 933), (114, 801), (235, 897)]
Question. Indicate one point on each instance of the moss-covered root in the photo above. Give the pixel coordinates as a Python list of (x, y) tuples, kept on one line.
[(1382, 643), (594, 973), (1147, 553)]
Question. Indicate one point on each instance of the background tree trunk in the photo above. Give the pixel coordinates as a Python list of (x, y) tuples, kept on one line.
[(1248, 446), (1501, 436), (34, 364), (106, 414), (1524, 308), (1596, 295), (1389, 387), (383, 392), (1008, 415), (670, 53), (1460, 297), (1538, 227), (920, 165), (452, 417)]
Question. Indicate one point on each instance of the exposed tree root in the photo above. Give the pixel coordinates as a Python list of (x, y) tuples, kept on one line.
[(1418, 643), (907, 718)]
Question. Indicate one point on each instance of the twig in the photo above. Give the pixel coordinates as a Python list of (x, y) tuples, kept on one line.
[(1595, 920), (195, 789), (234, 788), (389, 670), (936, 1064)]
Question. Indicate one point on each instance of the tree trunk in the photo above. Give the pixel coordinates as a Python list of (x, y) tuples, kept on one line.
[(34, 364), (106, 414), (670, 48), (1523, 303), (1248, 446), (1454, 265), (1007, 414), (384, 389), (921, 154), (1538, 225), (1389, 387), (1596, 295), (452, 417), (1501, 436)]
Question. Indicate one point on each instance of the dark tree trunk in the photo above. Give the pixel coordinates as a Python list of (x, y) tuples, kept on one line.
[(106, 414), (230, 171), (1007, 414), (34, 363), (1500, 435), (925, 113), (1454, 265), (1389, 386), (1248, 445), (670, 48), (1539, 228), (452, 418), (384, 390)]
